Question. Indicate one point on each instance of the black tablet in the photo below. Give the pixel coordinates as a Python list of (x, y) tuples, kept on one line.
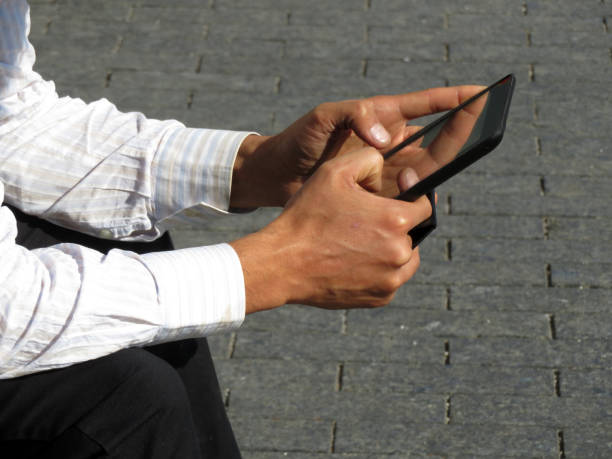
[(455, 140)]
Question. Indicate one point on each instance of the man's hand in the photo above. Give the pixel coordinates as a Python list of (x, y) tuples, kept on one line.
[(269, 170), (336, 244)]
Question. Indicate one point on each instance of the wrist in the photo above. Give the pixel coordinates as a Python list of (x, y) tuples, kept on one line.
[(256, 178), (266, 259)]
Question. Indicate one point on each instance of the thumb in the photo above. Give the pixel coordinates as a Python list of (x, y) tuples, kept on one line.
[(365, 166)]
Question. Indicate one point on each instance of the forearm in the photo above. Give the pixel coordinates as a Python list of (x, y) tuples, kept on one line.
[(66, 304)]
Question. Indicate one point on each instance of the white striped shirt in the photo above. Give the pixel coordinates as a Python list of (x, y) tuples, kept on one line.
[(115, 175)]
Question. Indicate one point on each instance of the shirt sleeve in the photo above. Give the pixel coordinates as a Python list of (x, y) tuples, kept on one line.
[(93, 168), (66, 304)]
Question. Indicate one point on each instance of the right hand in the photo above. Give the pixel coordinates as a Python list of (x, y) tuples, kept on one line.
[(336, 244)]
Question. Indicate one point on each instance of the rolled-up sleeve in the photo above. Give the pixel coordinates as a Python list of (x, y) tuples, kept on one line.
[(66, 304)]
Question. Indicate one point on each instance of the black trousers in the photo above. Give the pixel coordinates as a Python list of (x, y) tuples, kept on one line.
[(159, 402)]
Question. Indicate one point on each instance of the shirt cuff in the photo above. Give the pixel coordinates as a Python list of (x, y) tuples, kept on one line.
[(200, 289), (192, 173)]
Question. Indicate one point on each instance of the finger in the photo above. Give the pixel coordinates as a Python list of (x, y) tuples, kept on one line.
[(407, 178), (456, 131), (408, 270), (413, 213), (358, 115), (422, 103), (365, 166)]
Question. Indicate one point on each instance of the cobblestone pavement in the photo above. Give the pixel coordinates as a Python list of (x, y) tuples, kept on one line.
[(501, 346)]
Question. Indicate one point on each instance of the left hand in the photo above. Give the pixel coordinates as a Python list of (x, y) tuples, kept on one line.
[(269, 170)]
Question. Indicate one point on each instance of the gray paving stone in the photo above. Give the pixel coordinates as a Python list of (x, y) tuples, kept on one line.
[(556, 412), (487, 440), (340, 406), (512, 55), (589, 353), (591, 441), (503, 351), (582, 274), (447, 379), (526, 205), (545, 251), (410, 323), (130, 80), (255, 376), (584, 325), (589, 383), (583, 33), (567, 9), (481, 273), (296, 319), (542, 299), (511, 227), (282, 434), (338, 347), (478, 28)]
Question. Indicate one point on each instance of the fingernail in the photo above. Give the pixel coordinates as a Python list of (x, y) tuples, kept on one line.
[(380, 133), (407, 178)]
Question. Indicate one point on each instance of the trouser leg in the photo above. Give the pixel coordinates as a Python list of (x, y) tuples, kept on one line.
[(191, 357), (131, 404)]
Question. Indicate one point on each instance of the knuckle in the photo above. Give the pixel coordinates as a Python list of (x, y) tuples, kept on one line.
[(396, 221), (318, 113), (399, 254), (391, 283), (363, 107)]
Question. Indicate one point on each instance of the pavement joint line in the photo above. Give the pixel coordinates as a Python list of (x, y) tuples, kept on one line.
[(288, 18), (605, 24), (531, 73), (130, 14), (449, 205), (524, 9), (549, 276), (108, 78), (364, 68), (445, 19), (546, 228), (367, 4), (536, 114), (557, 382), (205, 31), (231, 348), (344, 322), (447, 356), (339, 376), (332, 442), (560, 444), (538, 146), (447, 300), (190, 99), (226, 397), (448, 250), (528, 39), (198, 68), (366, 34), (552, 328), (542, 186), (277, 84), (118, 45), (447, 409), (446, 57)]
